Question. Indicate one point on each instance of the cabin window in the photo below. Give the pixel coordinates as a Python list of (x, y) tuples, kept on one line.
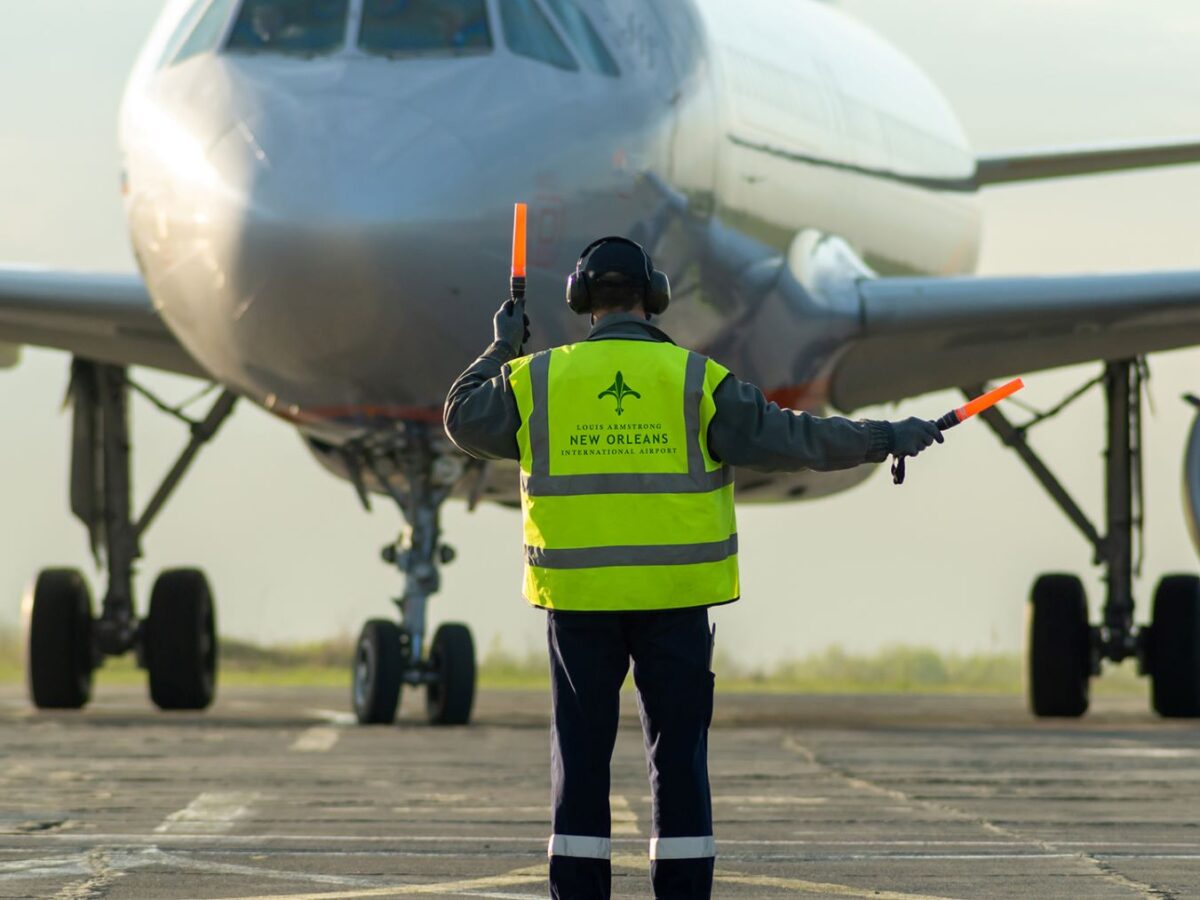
[(397, 28), (528, 32), (207, 31), (583, 36), (293, 27)]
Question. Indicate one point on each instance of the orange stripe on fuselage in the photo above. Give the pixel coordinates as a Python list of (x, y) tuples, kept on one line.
[(812, 396)]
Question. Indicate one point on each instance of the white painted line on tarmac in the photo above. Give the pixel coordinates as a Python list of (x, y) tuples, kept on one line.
[(182, 861), (467, 887), (213, 812), (506, 811), (624, 819), (256, 839), (793, 885), (1133, 849), (1144, 752), (334, 716), (756, 800), (906, 857), (113, 863), (318, 739), (796, 885), (45, 867)]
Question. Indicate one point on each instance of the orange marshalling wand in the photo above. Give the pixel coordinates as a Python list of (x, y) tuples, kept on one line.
[(964, 412), (518, 252), (979, 404)]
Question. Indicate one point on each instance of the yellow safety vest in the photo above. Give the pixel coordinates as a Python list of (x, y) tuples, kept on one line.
[(624, 507)]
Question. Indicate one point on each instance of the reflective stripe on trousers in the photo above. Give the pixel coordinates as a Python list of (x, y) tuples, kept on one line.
[(580, 846), (586, 847), (683, 847)]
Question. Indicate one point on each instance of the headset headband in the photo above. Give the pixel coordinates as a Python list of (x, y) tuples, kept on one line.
[(656, 289), (647, 263)]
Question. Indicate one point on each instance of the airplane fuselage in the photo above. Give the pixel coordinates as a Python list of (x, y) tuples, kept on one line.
[(329, 235)]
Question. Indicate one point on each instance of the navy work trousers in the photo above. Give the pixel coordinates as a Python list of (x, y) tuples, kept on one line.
[(589, 658)]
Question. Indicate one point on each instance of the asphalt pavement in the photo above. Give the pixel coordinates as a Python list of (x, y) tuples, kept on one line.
[(274, 793)]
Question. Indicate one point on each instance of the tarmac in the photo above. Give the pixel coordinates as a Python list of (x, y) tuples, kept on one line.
[(275, 793)]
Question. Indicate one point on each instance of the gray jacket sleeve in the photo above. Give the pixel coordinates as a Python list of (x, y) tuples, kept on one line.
[(750, 431), (480, 414)]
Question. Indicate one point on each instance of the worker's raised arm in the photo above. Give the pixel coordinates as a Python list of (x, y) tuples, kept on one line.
[(752, 432), (480, 414)]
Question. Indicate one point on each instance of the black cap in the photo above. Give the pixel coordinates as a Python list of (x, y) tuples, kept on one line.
[(616, 262)]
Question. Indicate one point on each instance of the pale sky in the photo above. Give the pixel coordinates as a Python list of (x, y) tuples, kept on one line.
[(946, 561)]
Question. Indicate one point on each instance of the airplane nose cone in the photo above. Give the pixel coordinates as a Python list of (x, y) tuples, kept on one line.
[(349, 162), (342, 249)]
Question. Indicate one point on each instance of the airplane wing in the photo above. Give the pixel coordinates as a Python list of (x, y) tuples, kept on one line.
[(105, 317), (925, 334), (1032, 165)]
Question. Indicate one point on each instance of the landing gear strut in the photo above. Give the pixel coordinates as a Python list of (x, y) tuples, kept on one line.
[(1064, 651), (389, 655), (176, 643)]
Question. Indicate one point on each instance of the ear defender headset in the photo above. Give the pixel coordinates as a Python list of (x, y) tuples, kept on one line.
[(656, 288)]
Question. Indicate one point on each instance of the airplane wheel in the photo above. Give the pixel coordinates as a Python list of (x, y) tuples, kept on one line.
[(1059, 647), (1174, 647), (58, 649), (378, 670), (180, 641), (449, 699)]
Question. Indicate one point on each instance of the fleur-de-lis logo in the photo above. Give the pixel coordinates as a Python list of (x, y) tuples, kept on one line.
[(619, 390)]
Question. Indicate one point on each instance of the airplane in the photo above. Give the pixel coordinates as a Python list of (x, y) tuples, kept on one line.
[(318, 196)]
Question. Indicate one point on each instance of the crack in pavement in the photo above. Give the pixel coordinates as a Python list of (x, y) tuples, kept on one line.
[(96, 885), (1105, 871)]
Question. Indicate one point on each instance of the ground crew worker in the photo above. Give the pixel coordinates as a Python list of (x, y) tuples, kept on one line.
[(626, 443)]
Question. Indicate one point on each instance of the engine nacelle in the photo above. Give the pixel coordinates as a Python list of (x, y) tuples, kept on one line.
[(1191, 477)]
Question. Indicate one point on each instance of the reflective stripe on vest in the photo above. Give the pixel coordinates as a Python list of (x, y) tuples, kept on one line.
[(539, 482), (624, 507), (632, 555)]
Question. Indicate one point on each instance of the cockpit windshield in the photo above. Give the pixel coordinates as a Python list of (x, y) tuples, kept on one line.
[(529, 33), (583, 36), (424, 27), (296, 27)]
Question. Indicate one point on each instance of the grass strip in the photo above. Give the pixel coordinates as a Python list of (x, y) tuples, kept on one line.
[(896, 669)]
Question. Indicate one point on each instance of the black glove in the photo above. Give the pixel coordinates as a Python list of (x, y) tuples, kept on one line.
[(913, 435), (511, 325)]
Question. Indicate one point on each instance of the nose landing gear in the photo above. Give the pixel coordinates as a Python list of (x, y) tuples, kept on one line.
[(390, 655)]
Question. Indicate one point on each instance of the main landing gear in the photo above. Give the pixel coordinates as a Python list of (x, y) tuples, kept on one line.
[(1065, 651), (391, 654), (176, 642)]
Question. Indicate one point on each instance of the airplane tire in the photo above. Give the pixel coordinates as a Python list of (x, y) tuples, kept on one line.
[(378, 672), (180, 641), (1059, 647), (1174, 647), (449, 698), (58, 649)]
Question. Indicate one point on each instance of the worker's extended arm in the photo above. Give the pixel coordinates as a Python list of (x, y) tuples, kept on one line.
[(752, 432)]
